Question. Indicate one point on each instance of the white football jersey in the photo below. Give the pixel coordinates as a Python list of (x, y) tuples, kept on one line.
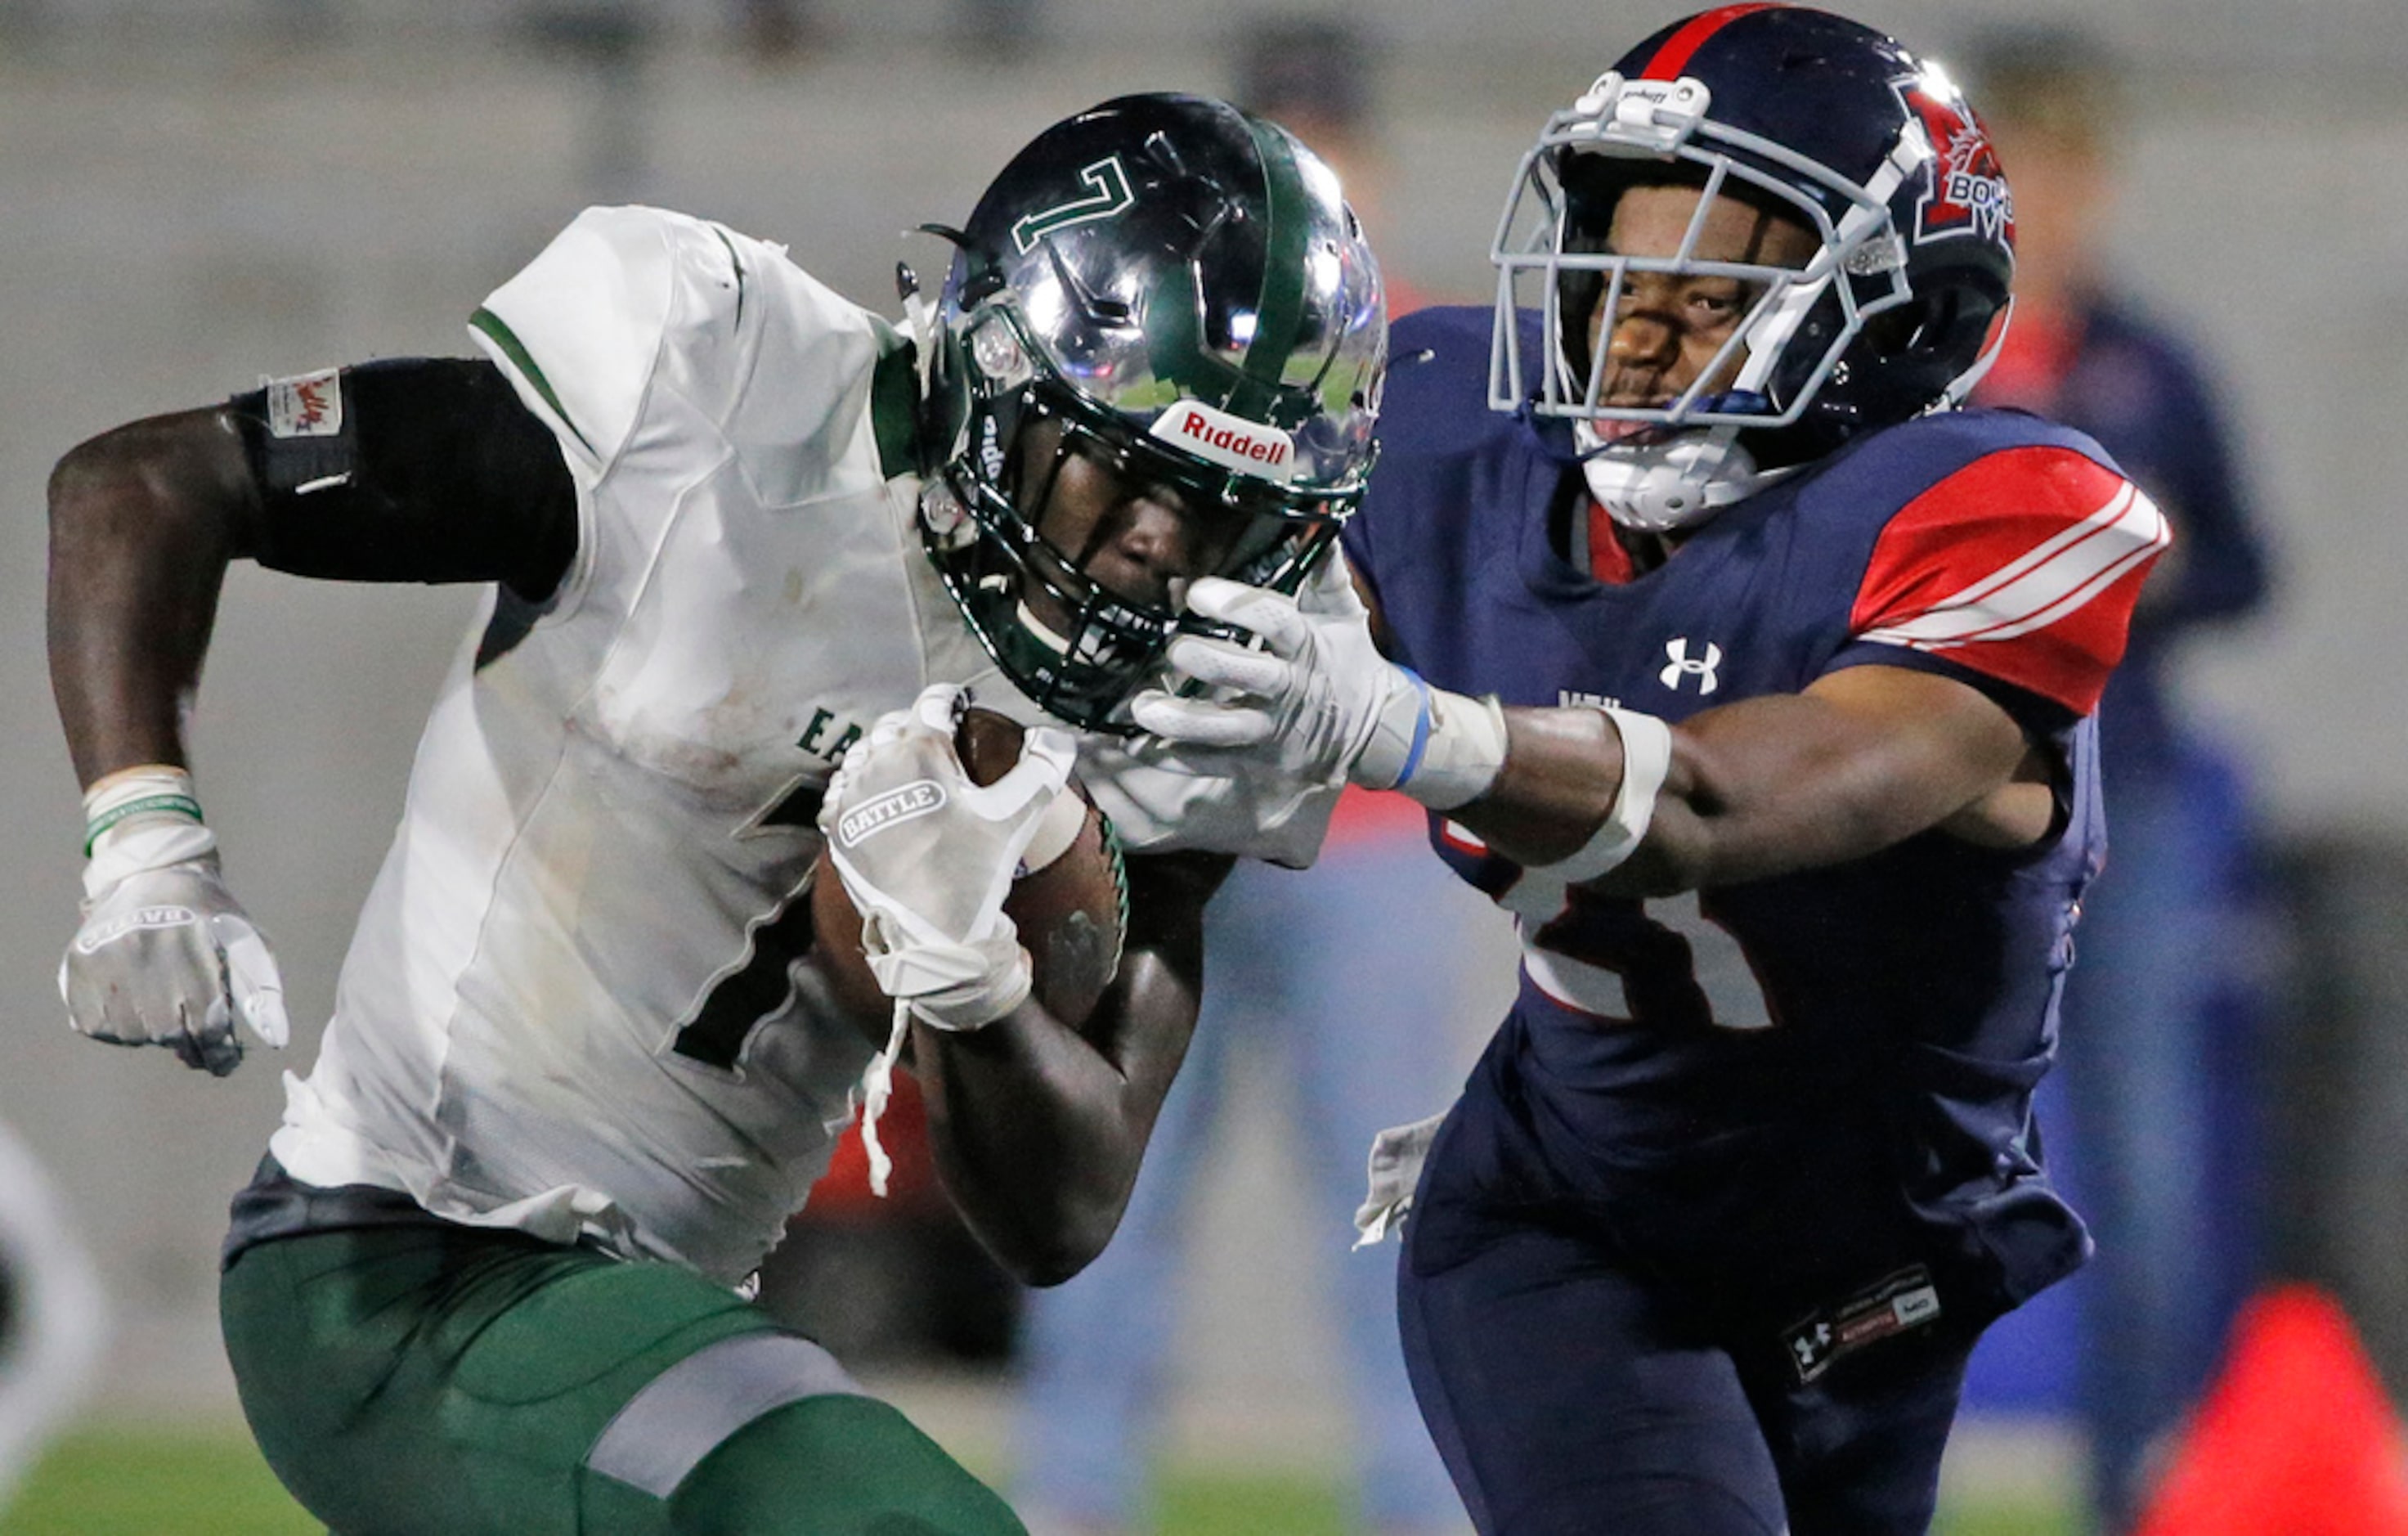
[(568, 1006)]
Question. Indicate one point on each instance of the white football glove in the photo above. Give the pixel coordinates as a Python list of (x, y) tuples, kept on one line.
[(1318, 703), (927, 856), (166, 954)]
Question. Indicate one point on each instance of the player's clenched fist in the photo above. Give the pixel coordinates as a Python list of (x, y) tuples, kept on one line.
[(927, 855), (166, 954)]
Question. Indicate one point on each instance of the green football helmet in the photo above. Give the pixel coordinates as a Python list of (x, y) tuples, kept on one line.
[(1174, 291)]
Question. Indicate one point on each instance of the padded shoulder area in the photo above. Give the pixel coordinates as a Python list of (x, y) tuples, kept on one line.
[(1436, 403), (581, 330)]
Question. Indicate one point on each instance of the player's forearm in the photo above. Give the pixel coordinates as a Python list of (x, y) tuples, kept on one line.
[(1037, 1134), (143, 521), (1595, 797), (1746, 791), (1865, 758), (1561, 772)]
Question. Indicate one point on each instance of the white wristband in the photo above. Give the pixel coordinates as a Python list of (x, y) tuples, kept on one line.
[(1439, 748), (138, 819), (136, 794), (952, 987), (1056, 830), (1646, 758)]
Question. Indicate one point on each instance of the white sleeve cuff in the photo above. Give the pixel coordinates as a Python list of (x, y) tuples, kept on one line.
[(1646, 758), (1439, 748)]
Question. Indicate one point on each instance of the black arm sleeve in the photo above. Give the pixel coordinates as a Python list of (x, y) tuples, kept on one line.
[(437, 473)]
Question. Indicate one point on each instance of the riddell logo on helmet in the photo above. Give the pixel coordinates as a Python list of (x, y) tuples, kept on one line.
[(1232, 442)]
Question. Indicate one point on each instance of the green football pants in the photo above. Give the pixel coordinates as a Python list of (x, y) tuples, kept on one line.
[(432, 1380)]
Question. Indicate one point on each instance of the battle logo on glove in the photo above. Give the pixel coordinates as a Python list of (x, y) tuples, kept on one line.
[(1071, 910)]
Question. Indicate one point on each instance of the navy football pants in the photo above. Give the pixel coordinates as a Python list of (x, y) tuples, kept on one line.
[(1568, 1396)]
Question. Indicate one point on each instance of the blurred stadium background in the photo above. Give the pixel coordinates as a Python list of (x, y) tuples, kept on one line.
[(195, 194)]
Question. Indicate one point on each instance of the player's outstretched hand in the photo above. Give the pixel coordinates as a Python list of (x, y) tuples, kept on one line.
[(927, 855), (1316, 701), (167, 956)]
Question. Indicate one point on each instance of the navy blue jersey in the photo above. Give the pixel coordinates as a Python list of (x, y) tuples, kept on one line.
[(1885, 1018)]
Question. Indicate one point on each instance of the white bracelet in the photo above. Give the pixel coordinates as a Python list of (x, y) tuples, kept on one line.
[(1646, 758)]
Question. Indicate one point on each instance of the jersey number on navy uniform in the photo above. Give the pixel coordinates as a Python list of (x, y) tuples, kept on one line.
[(1679, 968)]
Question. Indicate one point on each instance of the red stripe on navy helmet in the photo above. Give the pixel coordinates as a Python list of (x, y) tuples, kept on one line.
[(1683, 45)]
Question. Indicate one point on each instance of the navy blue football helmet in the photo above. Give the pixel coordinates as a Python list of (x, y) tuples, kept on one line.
[(1810, 116), (1181, 290)]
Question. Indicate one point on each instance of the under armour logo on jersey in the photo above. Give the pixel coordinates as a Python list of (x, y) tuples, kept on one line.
[(1683, 665)]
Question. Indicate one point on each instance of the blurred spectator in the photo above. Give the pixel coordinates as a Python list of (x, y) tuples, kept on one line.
[(2148, 1045), (301, 23), (777, 31), (52, 1318), (1313, 77), (1000, 29), (1343, 979)]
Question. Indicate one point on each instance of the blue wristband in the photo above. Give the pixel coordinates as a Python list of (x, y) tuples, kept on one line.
[(1420, 728)]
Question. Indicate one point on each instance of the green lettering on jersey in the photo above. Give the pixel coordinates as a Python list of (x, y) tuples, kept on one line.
[(808, 740), (814, 733)]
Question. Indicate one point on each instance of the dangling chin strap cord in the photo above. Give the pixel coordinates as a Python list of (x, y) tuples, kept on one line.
[(877, 1086)]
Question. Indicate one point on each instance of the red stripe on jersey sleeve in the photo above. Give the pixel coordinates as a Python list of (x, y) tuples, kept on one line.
[(2024, 565)]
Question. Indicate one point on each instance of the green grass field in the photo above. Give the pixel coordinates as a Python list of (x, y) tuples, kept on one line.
[(144, 1482), (102, 1481)]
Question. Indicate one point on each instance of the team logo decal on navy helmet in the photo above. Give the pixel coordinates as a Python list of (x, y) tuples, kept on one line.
[(1968, 189)]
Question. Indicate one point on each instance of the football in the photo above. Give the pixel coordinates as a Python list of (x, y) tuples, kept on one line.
[(1072, 913)]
